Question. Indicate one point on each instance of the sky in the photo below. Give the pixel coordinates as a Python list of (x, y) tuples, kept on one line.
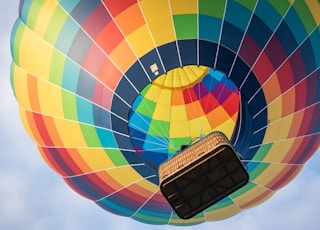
[(33, 197)]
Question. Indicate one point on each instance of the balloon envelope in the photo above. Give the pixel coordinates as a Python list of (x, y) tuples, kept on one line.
[(108, 90)]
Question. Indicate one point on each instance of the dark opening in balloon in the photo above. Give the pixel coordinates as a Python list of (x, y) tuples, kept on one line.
[(201, 175), (177, 107)]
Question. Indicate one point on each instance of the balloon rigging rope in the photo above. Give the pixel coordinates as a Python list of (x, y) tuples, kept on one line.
[(286, 116), (265, 46), (286, 139), (220, 35), (242, 39), (175, 35), (106, 169), (270, 162), (127, 186), (284, 61), (149, 198)]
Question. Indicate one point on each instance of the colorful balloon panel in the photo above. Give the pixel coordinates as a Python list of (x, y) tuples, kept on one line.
[(108, 90), (159, 124)]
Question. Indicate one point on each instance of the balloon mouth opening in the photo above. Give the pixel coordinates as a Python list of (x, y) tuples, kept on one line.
[(179, 107)]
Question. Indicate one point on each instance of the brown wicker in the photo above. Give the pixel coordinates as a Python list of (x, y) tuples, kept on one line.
[(201, 175)]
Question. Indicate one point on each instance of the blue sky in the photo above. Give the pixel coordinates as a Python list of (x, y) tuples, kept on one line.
[(33, 197)]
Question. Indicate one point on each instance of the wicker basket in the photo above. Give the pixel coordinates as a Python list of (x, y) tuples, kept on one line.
[(201, 174)]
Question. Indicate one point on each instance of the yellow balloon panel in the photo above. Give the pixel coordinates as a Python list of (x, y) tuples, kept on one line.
[(162, 30)]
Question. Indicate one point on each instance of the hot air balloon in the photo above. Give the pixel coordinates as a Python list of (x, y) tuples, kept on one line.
[(109, 90)]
